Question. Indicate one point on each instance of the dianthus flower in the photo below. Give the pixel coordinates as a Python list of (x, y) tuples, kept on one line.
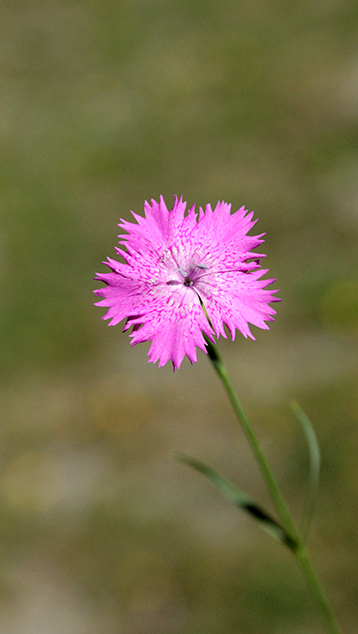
[(185, 277)]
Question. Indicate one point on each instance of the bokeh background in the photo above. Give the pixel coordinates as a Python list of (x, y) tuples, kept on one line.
[(104, 104)]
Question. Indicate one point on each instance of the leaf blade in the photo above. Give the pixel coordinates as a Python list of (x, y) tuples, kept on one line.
[(240, 499), (315, 466)]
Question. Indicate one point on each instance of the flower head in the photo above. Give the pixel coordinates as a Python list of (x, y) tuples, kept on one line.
[(186, 276)]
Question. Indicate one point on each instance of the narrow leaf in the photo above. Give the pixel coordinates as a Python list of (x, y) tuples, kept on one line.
[(315, 465), (232, 493)]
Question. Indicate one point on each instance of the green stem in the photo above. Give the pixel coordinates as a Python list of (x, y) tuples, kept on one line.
[(315, 585), (296, 543)]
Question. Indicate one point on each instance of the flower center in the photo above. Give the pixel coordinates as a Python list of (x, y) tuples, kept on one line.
[(189, 277)]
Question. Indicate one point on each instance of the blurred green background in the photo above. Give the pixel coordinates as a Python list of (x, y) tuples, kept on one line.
[(104, 104)]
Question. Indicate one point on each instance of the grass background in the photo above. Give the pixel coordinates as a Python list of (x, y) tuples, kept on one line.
[(103, 105)]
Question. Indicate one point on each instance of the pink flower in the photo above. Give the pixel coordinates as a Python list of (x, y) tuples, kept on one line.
[(186, 276)]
